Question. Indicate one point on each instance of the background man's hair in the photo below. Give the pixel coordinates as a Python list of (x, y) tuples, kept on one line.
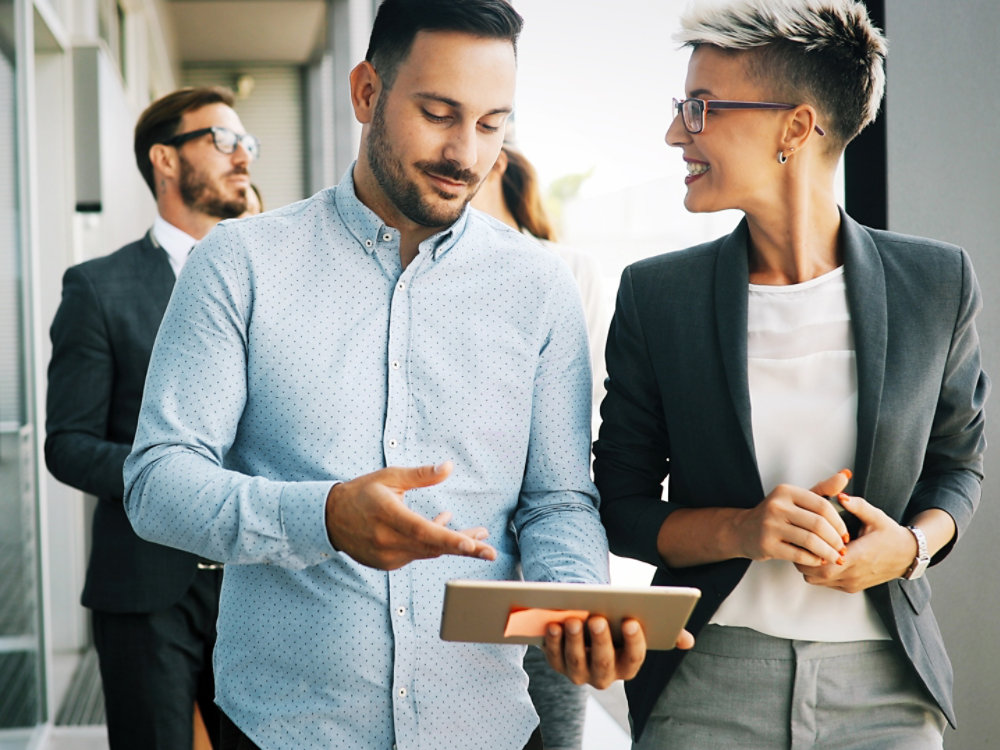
[(160, 120), (826, 53), (398, 22)]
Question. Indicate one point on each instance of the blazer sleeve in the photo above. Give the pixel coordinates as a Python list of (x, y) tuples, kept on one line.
[(78, 402), (953, 465), (631, 454)]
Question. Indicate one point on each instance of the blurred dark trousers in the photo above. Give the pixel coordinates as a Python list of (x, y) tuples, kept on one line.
[(156, 665), (231, 737)]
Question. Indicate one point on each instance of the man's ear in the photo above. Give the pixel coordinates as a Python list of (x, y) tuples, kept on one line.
[(500, 165), (164, 159), (366, 85)]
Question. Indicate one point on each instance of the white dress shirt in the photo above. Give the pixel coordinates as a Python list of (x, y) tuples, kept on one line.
[(177, 243)]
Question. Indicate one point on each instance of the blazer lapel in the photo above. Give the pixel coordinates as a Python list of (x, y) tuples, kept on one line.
[(732, 279), (866, 299)]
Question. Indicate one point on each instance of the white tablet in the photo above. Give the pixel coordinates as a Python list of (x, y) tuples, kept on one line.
[(518, 611)]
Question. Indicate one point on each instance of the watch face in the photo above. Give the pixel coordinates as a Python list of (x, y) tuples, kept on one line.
[(917, 569)]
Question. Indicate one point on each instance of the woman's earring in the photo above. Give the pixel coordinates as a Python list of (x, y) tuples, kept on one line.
[(781, 157)]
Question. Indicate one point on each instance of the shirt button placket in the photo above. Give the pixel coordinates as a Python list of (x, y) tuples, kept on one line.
[(397, 396), (404, 662), (394, 445)]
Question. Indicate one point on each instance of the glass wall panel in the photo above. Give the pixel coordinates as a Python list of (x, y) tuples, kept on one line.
[(20, 693)]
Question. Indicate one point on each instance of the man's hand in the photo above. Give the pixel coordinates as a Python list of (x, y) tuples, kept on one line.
[(367, 519), (601, 663)]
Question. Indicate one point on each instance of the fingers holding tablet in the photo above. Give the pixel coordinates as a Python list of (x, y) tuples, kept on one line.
[(594, 660)]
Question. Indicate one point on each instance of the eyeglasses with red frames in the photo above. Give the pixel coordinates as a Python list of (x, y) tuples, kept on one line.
[(692, 111)]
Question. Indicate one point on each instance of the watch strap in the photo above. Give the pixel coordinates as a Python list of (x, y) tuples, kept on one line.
[(922, 560)]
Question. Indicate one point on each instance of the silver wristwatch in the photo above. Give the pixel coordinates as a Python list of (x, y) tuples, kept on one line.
[(922, 560)]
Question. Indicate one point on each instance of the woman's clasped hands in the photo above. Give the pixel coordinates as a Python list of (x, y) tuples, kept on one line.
[(805, 528)]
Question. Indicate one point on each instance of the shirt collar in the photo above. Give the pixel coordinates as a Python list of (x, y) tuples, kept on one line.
[(176, 242), (368, 229)]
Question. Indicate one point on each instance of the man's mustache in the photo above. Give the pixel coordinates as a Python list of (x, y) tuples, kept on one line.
[(449, 171)]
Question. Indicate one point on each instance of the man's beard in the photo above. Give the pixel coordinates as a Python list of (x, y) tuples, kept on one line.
[(403, 193), (199, 194)]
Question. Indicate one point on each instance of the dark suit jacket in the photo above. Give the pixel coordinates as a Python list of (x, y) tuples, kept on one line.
[(678, 403), (102, 337)]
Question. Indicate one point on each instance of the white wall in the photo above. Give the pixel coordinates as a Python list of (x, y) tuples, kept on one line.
[(943, 122)]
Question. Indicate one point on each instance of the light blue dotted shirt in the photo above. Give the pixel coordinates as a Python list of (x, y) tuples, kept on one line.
[(296, 351)]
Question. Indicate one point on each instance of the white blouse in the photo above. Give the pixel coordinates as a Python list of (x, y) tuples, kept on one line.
[(804, 403)]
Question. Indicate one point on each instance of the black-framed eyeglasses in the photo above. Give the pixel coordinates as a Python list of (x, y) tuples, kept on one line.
[(692, 111), (225, 140)]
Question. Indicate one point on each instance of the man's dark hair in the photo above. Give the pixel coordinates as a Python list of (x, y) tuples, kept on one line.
[(160, 120), (398, 21)]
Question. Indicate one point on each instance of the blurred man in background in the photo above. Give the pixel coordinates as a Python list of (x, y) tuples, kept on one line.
[(153, 607)]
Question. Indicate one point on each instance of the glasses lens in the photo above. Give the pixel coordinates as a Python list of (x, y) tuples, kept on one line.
[(225, 140), (252, 145), (693, 111)]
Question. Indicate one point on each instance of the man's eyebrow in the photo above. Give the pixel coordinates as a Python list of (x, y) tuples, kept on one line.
[(458, 105), (699, 94)]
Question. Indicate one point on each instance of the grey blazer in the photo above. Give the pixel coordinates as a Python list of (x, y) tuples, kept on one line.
[(678, 405), (102, 338)]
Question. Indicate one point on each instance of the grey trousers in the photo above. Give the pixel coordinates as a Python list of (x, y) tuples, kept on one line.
[(741, 689)]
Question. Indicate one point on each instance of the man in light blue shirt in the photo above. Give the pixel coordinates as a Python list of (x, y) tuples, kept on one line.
[(315, 352)]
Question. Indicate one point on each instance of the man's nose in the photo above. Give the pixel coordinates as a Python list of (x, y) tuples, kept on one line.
[(241, 155), (462, 147)]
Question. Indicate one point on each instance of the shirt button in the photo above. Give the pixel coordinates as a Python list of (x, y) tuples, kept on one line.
[(393, 443), (395, 364), (400, 611), (368, 243), (401, 692), (386, 237)]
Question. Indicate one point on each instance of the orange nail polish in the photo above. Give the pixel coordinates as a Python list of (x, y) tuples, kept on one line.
[(840, 561), (846, 538), (843, 552), (847, 473), (843, 496)]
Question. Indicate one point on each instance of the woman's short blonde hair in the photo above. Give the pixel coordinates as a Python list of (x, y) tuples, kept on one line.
[(826, 53)]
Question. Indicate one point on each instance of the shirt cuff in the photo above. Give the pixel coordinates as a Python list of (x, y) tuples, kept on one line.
[(303, 519)]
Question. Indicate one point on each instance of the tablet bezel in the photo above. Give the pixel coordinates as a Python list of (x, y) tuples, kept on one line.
[(477, 611)]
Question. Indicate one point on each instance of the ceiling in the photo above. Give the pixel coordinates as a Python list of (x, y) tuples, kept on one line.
[(248, 31)]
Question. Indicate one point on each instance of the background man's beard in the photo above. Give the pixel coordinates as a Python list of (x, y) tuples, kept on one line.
[(401, 192), (198, 194)]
